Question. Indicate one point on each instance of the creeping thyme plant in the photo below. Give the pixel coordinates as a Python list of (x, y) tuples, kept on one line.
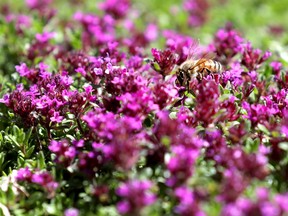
[(93, 123)]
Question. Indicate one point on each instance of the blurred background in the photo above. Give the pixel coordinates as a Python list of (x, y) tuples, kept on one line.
[(259, 20), (263, 22)]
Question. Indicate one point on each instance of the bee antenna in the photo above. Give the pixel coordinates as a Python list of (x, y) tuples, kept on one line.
[(148, 60)]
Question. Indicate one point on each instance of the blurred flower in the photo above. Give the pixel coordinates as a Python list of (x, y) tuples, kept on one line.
[(178, 133), (71, 212), (135, 196), (140, 39), (197, 10), (41, 47), (181, 165), (97, 31), (261, 206), (253, 58), (226, 44), (121, 136), (188, 204), (64, 152), (276, 68), (21, 22), (237, 133), (276, 30), (41, 178), (284, 127), (259, 113), (178, 43), (90, 162), (233, 186), (43, 7), (118, 9), (24, 174)]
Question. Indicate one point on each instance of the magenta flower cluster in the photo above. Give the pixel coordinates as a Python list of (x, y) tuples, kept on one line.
[(116, 131), (42, 178)]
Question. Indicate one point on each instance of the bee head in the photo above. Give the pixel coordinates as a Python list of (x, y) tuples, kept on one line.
[(180, 77)]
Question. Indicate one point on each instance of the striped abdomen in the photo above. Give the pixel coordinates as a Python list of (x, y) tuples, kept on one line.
[(207, 65)]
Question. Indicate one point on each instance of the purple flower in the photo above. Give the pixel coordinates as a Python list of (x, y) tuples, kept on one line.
[(135, 196), (216, 142), (43, 7), (22, 103), (181, 165), (188, 204), (56, 117), (151, 32), (253, 165), (260, 113), (121, 135), (118, 9), (24, 174), (282, 201), (230, 110), (178, 133), (261, 206), (237, 133), (41, 178), (226, 44), (253, 58), (207, 103), (123, 151), (276, 68), (20, 21), (44, 37), (180, 44), (71, 212), (139, 40), (37, 3), (164, 93), (284, 125), (65, 153), (41, 47), (137, 104), (45, 179), (197, 10), (97, 31), (165, 60), (234, 75), (90, 162), (233, 186)]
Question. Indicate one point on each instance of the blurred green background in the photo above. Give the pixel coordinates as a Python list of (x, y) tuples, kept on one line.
[(263, 22)]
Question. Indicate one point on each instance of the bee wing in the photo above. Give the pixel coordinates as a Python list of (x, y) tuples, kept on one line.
[(208, 55), (193, 50), (204, 57)]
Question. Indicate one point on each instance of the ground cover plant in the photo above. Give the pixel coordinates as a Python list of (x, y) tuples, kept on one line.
[(93, 123)]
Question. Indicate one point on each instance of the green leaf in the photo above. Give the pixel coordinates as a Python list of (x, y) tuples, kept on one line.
[(1, 137), (263, 129), (41, 160), (28, 135), (29, 151), (283, 145)]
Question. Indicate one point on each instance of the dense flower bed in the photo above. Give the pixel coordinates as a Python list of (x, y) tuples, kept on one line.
[(92, 122)]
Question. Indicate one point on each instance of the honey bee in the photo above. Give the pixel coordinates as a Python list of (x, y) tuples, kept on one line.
[(197, 68)]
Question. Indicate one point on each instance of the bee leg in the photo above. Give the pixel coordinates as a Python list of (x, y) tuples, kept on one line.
[(188, 87), (199, 77), (177, 103)]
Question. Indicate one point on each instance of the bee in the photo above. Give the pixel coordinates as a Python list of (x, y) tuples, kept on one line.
[(197, 68)]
